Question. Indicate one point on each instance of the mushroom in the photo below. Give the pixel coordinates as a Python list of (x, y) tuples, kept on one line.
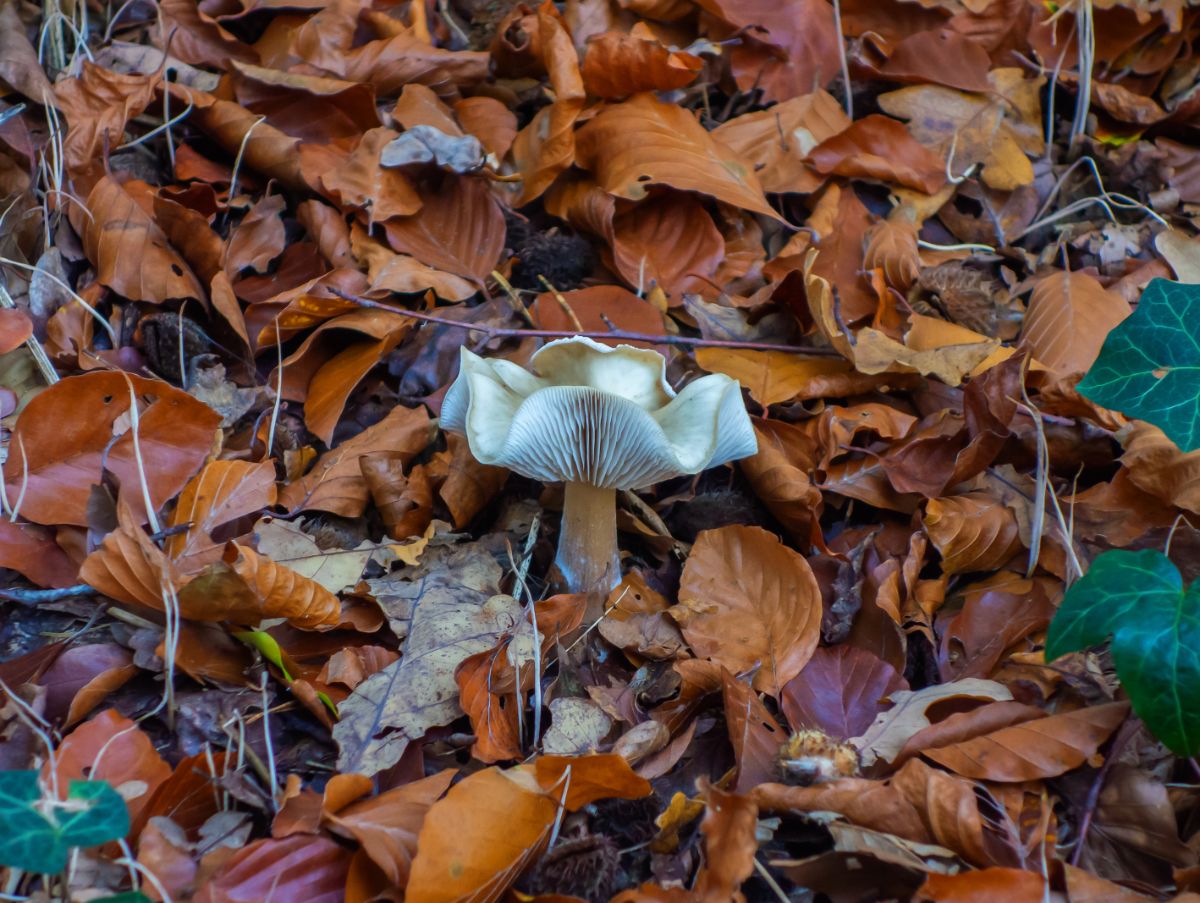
[(598, 419)]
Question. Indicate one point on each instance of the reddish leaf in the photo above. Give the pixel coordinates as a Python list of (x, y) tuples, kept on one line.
[(82, 677), (880, 148), (493, 712), (618, 65), (730, 843), (64, 436), (670, 242), (600, 776), (840, 691), (15, 325), (259, 238), (985, 886), (756, 737), (32, 552), (301, 867)]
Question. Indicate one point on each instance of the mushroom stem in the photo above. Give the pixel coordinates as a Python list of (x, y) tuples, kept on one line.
[(587, 539)]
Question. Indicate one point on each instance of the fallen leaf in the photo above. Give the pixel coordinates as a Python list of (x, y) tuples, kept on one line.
[(1069, 316), (591, 778), (841, 691), (220, 494), (303, 866), (881, 149), (480, 836), (618, 65), (972, 532), (64, 436), (747, 601), (756, 737), (983, 886)]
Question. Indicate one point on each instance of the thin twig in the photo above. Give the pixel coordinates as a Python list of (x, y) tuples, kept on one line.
[(38, 596), (497, 332)]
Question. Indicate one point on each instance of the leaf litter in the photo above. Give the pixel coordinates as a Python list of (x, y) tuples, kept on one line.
[(273, 629)]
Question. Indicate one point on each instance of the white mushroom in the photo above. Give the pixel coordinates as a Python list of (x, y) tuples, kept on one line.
[(598, 419)]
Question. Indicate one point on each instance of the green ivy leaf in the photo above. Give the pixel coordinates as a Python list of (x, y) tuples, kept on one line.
[(38, 837), (1149, 366), (130, 896), (1138, 599)]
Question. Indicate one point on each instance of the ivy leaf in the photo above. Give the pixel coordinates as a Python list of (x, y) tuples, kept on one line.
[(1138, 599), (1149, 365), (39, 837)]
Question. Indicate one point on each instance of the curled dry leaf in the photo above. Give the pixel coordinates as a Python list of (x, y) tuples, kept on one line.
[(755, 735), (477, 839), (595, 777), (730, 843), (892, 247), (363, 183), (779, 472), (277, 591), (1069, 316), (486, 691), (15, 328), (746, 601), (618, 65), (1156, 465), (32, 552), (64, 436), (670, 242), (301, 867), (972, 532)]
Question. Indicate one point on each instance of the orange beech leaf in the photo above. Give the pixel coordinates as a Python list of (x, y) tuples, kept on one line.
[(163, 852), (382, 192), (110, 747), (32, 552), (489, 120), (271, 591), (328, 229), (221, 493), (984, 886), (1084, 887), (129, 567), (129, 250), (468, 485), (335, 483), (1043, 748), (15, 328), (1068, 318), (189, 232), (404, 502), (1156, 465), (789, 48), (403, 273), (546, 147), (941, 57), (840, 691), (259, 238), (394, 62), (491, 706), (967, 725), (772, 377), (419, 105), (263, 148), (64, 436), (618, 65), (779, 472), (480, 836), (972, 532), (98, 104), (387, 825), (326, 368), (577, 199), (892, 247), (643, 141), (748, 601), (777, 140), (997, 613), (880, 148), (301, 867), (949, 806), (595, 304), (756, 736), (670, 242), (869, 804), (600, 776), (459, 228), (842, 221), (730, 843)]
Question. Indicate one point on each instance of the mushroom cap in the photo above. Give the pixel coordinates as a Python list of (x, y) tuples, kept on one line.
[(596, 414)]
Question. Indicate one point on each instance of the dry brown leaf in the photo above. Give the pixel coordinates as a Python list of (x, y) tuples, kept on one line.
[(779, 472), (221, 493), (777, 140), (643, 141), (972, 532), (1042, 748), (618, 65), (1156, 465), (1069, 316), (746, 601), (881, 149), (480, 836)]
